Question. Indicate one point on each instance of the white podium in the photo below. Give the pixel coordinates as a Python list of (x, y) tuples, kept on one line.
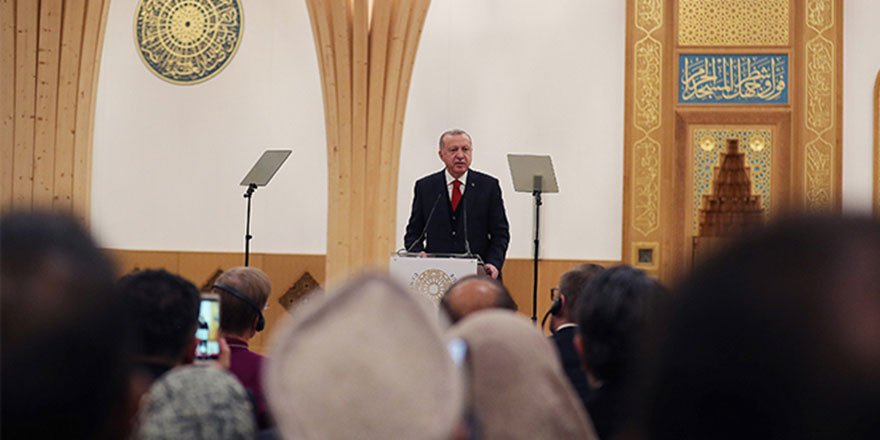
[(430, 276)]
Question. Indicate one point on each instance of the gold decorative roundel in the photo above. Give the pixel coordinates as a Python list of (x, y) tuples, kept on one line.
[(187, 41), (432, 283)]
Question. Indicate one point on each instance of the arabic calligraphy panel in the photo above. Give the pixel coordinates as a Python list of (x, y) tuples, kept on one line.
[(707, 146), (733, 79)]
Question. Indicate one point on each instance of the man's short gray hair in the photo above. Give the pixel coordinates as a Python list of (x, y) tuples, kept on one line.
[(455, 132)]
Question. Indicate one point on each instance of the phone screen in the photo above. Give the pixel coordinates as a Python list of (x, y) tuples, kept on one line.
[(208, 329)]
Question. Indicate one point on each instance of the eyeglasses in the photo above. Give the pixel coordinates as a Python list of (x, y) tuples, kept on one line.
[(554, 293)]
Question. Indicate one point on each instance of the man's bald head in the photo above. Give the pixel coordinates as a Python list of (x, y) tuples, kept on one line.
[(473, 293)]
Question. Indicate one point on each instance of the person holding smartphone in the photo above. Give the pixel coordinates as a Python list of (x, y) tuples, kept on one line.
[(244, 292)]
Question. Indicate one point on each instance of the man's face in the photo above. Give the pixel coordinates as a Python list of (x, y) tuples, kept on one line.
[(456, 154)]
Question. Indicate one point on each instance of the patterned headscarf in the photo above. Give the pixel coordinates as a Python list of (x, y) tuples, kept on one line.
[(196, 402)]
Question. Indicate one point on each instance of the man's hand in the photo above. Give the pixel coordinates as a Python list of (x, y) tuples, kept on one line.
[(491, 270)]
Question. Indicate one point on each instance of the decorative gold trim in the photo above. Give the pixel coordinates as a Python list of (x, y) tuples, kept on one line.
[(652, 249), (819, 120), (727, 23), (647, 105)]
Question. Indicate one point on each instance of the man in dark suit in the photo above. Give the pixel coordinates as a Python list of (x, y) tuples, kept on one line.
[(459, 210), (562, 323)]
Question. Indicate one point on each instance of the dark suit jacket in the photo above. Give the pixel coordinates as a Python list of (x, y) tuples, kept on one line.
[(481, 204), (571, 362)]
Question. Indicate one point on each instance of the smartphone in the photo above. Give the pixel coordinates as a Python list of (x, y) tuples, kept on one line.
[(208, 328)]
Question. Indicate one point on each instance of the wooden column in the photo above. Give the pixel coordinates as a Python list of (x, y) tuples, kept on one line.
[(50, 52), (366, 50)]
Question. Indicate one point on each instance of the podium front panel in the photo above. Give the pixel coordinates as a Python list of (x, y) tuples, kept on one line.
[(429, 277)]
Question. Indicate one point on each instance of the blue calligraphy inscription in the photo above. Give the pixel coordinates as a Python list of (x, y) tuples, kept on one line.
[(733, 79)]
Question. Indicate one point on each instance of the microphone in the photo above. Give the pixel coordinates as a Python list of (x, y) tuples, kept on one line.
[(424, 233), (467, 242)]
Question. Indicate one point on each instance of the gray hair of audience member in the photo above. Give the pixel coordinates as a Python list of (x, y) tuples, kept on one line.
[(196, 402), (366, 361), (517, 387), (777, 337), (475, 299), (63, 363)]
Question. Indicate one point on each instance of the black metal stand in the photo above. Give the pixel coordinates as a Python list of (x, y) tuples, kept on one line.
[(537, 194), (247, 232)]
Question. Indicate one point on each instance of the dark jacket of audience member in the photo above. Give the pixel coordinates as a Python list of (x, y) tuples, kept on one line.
[(563, 324), (63, 365), (777, 337), (621, 311), (163, 310)]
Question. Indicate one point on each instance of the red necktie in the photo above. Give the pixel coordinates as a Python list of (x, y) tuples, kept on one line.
[(456, 193)]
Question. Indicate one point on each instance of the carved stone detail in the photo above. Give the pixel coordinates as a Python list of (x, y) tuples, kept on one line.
[(646, 200), (819, 171), (647, 116), (648, 80), (738, 23), (820, 85), (820, 161)]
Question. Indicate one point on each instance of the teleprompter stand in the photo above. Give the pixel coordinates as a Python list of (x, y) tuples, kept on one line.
[(533, 174), (259, 175)]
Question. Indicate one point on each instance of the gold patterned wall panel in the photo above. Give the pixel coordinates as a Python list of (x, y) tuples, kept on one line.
[(647, 77), (804, 127), (821, 73), (733, 23)]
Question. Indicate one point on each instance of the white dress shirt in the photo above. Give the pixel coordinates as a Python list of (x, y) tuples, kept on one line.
[(450, 179)]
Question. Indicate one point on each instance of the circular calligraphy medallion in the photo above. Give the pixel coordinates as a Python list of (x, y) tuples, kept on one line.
[(432, 283), (187, 41)]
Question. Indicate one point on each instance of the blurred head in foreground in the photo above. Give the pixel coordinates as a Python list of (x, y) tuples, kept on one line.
[(517, 387), (63, 332), (367, 361), (473, 293), (621, 316), (777, 337), (196, 402)]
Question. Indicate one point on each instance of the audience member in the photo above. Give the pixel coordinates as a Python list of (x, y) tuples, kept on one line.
[(517, 387), (64, 373), (244, 292), (196, 403), (563, 324), (367, 361), (777, 337), (163, 310), (472, 293), (620, 315)]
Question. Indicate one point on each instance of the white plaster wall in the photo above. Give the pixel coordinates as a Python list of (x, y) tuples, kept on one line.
[(861, 62), (528, 77), (168, 158)]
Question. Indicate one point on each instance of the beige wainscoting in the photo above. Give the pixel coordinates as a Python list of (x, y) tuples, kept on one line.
[(284, 270)]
